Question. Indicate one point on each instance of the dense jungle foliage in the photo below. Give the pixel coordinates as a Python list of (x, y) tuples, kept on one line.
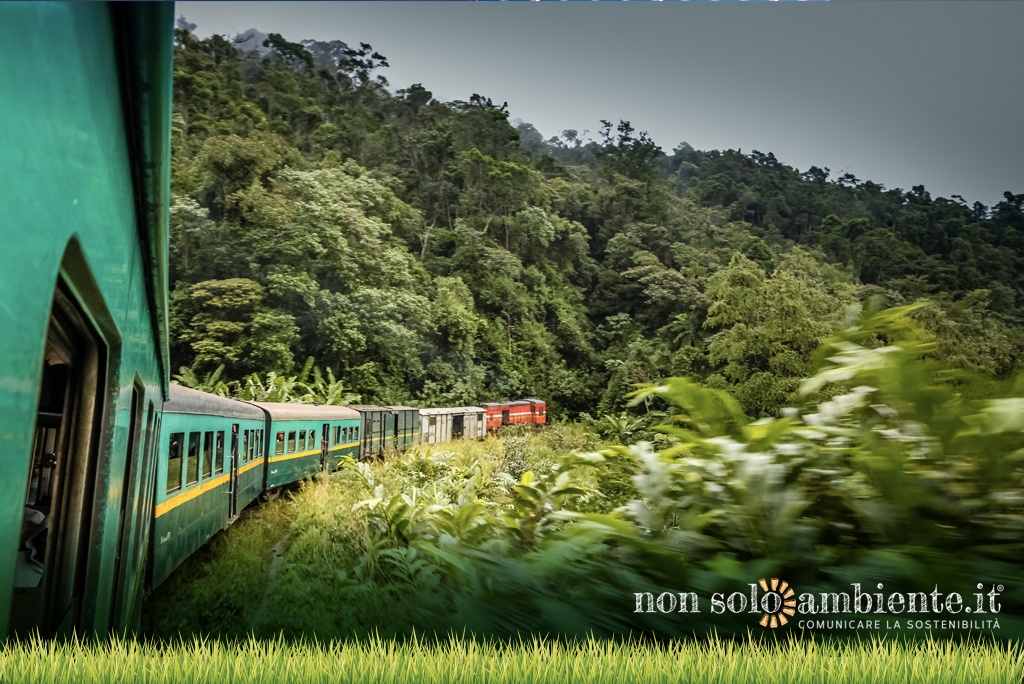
[(432, 253)]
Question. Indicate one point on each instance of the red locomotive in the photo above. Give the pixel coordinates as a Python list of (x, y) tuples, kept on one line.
[(529, 411)]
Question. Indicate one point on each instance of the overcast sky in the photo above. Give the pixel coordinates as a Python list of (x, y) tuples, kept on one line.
[(901, 93)]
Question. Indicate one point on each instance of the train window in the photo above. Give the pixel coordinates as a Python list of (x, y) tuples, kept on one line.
[(174, 452), (192, 462), (356, 433), (279, 449), (218, 457), (312, 440), (207, 454), (291, 443), (261, 450), (252, 445), (245, 445)]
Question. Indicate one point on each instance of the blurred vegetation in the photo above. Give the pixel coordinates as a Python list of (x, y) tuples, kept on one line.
[(884, 470)]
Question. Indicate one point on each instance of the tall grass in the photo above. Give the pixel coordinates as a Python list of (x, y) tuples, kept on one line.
[(220, 589), (587, 661)]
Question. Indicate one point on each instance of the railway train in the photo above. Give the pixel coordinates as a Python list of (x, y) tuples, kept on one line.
[(217, 455), (110, 476)]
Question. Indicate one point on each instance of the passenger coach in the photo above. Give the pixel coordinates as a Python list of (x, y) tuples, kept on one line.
[(84, 149), (210, 468), (307, 439)]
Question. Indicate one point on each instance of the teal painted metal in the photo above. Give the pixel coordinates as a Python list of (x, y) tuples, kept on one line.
[(216, 446), (305, 439), (84, 146), (298, 453)]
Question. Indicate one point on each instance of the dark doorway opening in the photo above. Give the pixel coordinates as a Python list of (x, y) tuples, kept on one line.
[(59, 512)]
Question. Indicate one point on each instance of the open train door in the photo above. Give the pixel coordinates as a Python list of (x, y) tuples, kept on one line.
[(324, 447), (233, 484), (60, 511)]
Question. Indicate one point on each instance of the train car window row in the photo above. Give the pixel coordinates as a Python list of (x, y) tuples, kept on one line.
[(192, 462), (207, 455), (218, 461), (252, 445), (211, 445), (174, 462)]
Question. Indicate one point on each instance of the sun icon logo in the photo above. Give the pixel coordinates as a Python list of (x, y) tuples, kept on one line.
[(778, 602)]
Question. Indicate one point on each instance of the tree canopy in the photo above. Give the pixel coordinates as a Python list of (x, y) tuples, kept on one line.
[(432, 252)]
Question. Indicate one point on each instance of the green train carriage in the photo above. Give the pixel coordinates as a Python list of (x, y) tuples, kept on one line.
[(306, 439), (84, 144), (212, 460)]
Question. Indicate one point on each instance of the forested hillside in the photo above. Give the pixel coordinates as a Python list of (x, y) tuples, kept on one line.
[(432, 253)]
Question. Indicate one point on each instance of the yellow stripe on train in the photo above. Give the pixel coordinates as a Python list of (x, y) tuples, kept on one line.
[(185, 496)]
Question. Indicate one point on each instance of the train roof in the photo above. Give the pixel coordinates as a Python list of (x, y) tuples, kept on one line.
[(368, 407), (403, 408), (189, 401), (282, 411), (533, 400), (451, 410)]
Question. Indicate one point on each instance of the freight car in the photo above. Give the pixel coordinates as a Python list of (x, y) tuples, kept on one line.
[(445, 424), (407, 426), (378, 428), (85, 140)]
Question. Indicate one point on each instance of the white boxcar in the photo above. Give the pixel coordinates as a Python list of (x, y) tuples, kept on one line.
[(445, 424)]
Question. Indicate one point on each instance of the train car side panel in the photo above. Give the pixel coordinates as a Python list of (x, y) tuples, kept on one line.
[(83, 362)]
